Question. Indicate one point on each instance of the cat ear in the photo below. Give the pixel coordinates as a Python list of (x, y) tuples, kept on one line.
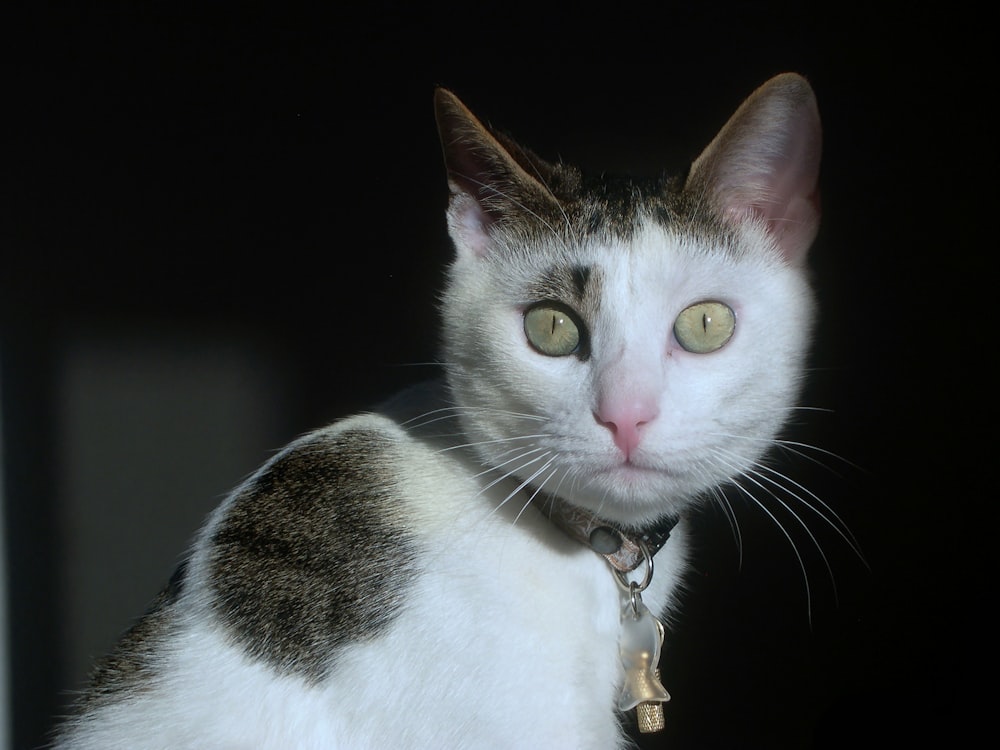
[(490, 176), (764, 163)]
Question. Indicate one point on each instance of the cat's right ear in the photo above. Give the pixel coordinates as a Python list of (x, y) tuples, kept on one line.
[(764, 164), (486, 179)]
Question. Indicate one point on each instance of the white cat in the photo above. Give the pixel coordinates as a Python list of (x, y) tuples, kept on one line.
[(471, 565)]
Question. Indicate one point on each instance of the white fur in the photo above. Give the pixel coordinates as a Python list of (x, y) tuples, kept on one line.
[(509, 641)]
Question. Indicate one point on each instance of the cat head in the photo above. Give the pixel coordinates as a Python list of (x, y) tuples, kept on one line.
[(630, 345)]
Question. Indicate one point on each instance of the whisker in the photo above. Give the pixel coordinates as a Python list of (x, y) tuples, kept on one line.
[(524, 483), (827, 514), (802, 449), (795, 447), (566, 473), (489, 442), (507, 474), (454, 412), (730, 513), (432, 363), (829, 517), (413, 424), (742, 474), (788, 408), (750, 473), (538, 488), (502, 454), (494, 467), (791, 542)]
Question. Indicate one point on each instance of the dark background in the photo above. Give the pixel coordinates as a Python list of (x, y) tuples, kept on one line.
[(274, 175)]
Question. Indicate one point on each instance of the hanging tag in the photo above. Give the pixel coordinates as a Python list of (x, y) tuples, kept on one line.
[(639, 650)]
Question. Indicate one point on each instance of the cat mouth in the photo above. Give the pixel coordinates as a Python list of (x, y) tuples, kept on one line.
[(626, 490), (632, 471)]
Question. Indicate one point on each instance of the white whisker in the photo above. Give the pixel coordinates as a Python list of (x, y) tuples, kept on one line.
[(734, 524), (751, 476), (490, 469), (455, 412), (751, 473), (524, 483), (784, 531), (827, 514), (829, 517), (538, 488), (489, 442)]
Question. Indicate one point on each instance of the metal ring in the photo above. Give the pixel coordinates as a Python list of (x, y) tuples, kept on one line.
[(632, 587), (635, 597)]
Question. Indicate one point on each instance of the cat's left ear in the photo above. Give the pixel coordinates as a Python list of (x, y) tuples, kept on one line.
[(491, 178), (764, 163)]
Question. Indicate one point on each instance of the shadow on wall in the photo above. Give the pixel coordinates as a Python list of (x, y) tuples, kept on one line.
[(147, 432)]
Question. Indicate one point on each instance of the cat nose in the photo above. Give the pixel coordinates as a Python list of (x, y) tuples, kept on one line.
[(626, 421)]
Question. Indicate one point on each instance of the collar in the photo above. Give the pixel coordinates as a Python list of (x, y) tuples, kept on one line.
[(622, 548)]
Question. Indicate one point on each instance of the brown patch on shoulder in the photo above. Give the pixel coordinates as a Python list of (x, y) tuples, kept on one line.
[(311, 555)]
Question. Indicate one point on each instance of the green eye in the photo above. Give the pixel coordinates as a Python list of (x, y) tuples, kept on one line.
[(552, 330), (705, 327)]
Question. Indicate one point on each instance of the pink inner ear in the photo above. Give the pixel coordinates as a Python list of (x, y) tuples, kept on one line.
[(791, 219), (764, 164), (795, 230), (470, 227), (782, 191)]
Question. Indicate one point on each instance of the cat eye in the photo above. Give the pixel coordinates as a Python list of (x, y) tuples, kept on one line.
[(705, 327), (552, 330)]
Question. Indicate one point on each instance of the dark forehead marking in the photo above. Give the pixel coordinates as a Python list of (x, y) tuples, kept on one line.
[(580, 275), (565, 283)]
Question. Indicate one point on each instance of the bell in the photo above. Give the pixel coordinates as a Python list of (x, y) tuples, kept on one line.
[(649, 714)]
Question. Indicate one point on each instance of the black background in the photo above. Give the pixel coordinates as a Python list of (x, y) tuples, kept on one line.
[(276, 171)]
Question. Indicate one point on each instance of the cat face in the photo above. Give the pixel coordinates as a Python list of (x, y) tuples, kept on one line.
[(630, 346), (628, 375)]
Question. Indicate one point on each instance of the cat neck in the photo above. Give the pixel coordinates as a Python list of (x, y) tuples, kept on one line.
[(624, 549)]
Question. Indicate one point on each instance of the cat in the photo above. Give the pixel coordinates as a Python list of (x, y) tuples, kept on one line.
[(467, 565)]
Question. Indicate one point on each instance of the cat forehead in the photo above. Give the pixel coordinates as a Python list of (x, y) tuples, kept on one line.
[(609, 207), (561, 268), (611, 217)]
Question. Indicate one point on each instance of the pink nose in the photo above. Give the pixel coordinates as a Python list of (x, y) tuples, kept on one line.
[(626, 420)]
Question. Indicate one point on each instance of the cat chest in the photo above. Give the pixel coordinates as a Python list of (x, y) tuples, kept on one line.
[(423, 593), (494, 631)]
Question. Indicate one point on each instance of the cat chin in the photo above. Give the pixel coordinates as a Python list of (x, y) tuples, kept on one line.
[(631, 495), (633, 480)]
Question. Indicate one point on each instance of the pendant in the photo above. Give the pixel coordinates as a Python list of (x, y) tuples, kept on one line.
[(639, 649)]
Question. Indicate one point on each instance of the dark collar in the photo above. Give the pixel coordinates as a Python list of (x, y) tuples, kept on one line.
[(622, 548)]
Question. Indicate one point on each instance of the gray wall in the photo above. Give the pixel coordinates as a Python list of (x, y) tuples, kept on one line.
[(151, 431)]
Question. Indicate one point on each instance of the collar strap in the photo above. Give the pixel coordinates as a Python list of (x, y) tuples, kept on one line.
[(621, 548)]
